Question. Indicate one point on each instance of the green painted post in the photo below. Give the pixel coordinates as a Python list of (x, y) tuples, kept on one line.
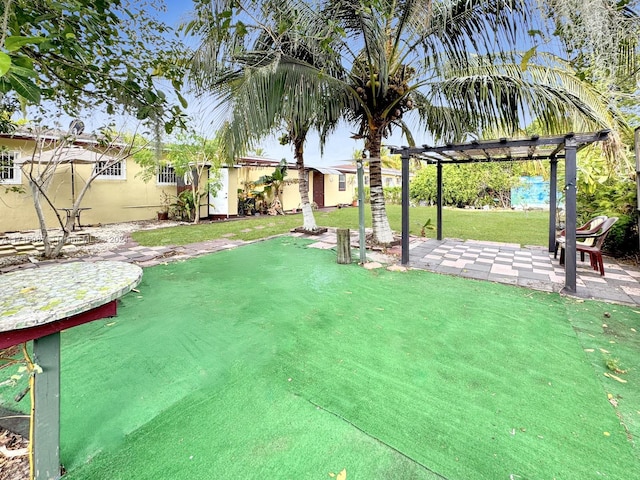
[(439, 201), (363, 246), (405, 207), (46, 433)]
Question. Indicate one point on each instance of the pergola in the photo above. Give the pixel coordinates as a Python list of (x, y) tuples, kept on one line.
[(551, 148)]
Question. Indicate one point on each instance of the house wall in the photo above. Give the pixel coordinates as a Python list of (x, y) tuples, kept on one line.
[(132, 199), (109, 200), (246, 174), (333, 195)]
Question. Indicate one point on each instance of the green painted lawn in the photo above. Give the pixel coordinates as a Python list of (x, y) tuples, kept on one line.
[(301, 368), (524, 228)]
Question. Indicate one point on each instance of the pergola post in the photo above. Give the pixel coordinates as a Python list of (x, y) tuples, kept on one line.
[(553, 202), (439, 201), (405, 206), (636, 149), (570, 216)]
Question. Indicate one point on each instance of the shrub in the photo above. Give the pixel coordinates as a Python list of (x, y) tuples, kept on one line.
[(468, 184), (614, 198)]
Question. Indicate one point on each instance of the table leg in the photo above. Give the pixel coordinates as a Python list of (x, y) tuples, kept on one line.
[(46, 432), (78, 219), (73, 225)]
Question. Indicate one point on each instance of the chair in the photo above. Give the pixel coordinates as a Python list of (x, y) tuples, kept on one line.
[(583, 233), (595, 250)]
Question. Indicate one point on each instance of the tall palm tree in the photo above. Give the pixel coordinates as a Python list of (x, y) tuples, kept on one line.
[(268, 82), (440, 61)]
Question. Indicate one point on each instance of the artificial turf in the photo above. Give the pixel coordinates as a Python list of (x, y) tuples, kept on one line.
[(273, 361)]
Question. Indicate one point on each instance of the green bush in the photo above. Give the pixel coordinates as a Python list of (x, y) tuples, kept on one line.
[(614, 198), (393, 195), (468, 184)]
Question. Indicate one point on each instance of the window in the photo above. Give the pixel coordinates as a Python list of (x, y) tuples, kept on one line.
[(167, 175), (388, 182), (114, 170), (342, 182), (366, 179), (9, 169)]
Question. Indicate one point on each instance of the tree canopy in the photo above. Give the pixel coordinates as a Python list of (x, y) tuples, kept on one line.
[(83, 54), (452, 65)]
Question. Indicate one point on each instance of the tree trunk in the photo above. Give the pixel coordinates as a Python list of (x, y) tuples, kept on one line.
[(50, 251), (344, 246), (196, 200), (382, 233), (309, 221)]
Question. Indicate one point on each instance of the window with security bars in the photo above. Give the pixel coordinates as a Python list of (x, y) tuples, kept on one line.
[(110, 170), (9, 172), (167, 175), (342, 182)]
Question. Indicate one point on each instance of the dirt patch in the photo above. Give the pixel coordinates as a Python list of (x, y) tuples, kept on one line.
[(104, 238), (317, 231), (14, 461)]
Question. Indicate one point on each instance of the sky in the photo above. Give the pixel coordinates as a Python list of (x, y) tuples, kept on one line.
[(339, 149)]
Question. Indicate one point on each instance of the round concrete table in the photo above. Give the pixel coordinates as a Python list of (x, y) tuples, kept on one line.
[(36, 304)]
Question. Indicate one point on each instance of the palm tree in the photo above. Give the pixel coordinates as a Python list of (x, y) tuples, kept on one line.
[(438, 60), (270, 83), (385, 60)]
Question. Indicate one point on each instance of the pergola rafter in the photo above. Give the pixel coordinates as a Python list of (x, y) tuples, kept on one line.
[(548, 148)]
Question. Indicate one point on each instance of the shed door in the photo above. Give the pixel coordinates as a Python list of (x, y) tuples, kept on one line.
[(219, 204), (318, 189)]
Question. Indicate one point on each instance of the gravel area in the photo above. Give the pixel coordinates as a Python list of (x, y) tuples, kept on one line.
[(104, 238)]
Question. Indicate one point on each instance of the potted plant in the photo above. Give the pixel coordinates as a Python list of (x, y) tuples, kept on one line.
[(165, 202)]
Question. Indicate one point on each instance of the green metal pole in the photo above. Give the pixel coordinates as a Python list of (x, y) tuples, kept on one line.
[(405, 207), (46, 433), (363, 246)]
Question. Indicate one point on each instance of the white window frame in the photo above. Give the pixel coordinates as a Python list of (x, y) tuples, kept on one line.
[(163, 171), (109, 176), (17, 171), (342, 182)]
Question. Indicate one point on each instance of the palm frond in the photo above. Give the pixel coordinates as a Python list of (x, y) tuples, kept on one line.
[(506, 96)]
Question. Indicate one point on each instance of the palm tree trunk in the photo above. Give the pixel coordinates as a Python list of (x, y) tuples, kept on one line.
[(382, 233), (309, 221)]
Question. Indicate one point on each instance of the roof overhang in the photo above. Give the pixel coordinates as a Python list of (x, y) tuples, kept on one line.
[(326, 170)]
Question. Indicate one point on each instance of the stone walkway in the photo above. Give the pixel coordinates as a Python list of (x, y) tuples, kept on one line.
[(530, 267)]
